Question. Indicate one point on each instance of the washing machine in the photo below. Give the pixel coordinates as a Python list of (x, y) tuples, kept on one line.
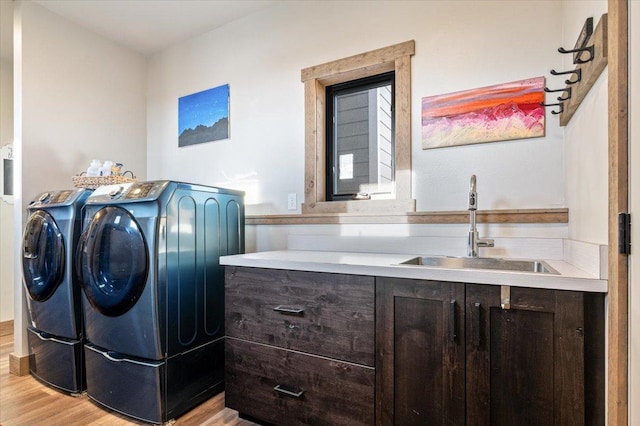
[(53, 293), (153, 298)]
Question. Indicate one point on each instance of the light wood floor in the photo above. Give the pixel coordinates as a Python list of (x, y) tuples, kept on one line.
[(24, 401)]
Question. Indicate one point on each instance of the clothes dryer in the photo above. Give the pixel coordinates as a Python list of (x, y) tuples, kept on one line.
[(53, 293), (153, 295)]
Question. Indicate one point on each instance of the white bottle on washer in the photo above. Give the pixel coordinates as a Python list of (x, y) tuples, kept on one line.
[(94, 168), (105, 170)]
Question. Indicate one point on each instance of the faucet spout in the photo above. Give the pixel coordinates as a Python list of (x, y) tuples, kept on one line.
[(474, 242)]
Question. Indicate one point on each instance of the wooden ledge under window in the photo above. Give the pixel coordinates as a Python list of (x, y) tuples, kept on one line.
[(560, 215), (367, 207)]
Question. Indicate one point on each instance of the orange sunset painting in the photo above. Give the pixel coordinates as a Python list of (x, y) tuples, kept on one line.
[(487, 114)]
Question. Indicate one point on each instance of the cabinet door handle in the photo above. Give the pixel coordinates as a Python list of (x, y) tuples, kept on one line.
[(289, 310), (288, 391), (476, 321), (505, 297), (452, 319)]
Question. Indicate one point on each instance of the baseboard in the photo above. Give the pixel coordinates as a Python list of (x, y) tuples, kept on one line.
[(19, 366), (6, 327)]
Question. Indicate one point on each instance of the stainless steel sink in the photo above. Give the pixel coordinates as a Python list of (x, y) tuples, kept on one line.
[(535, 266)]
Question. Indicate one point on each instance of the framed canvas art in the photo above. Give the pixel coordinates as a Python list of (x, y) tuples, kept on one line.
[(203, 116), (488, 114)]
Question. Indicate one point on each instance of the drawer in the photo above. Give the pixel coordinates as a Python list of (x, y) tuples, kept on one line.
[(56, 360), (130, 386), (324, 314), (284, 387)]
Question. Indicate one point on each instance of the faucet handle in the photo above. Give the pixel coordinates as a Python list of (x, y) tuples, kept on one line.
[(473, 195), (485, 242), (473, 201)]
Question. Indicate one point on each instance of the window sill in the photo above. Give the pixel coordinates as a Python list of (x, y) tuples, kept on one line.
[(360, 207)]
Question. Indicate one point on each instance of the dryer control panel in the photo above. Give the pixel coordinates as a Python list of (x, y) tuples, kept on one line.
[(148, 190), (128, 192)]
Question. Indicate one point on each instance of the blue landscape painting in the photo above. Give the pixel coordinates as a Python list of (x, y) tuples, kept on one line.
[(203, 116)]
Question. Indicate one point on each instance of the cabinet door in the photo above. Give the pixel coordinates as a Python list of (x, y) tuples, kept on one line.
[(420, 369), (526, 364)]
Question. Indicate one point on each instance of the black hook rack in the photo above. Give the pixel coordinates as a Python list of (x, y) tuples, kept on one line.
[(561, 98), (576, 59), (577, 72), (560, 106), (589, 56)]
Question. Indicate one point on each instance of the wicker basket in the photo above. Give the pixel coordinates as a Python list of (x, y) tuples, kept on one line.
[(93, 182)]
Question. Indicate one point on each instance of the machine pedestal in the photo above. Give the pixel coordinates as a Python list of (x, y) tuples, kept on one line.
[(56, 361), (155, 391)]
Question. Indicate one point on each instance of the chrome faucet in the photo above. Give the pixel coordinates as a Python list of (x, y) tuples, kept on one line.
[(475, 242)]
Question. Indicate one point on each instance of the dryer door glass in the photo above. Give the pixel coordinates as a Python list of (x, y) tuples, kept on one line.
[(113, 261), (42, 256)]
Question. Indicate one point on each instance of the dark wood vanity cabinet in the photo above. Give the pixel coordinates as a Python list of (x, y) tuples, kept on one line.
[(420, 352), (310, 348), (300, 346), (465, 354)]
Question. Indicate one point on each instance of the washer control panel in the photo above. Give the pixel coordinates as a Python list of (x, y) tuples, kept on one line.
[(50, 199), (60, 197)]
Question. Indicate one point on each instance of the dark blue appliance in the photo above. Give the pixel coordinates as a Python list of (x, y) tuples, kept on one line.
[(154, 294), (53, 293)]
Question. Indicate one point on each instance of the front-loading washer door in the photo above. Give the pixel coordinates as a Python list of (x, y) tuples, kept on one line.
[(113, 261), (42, 256)]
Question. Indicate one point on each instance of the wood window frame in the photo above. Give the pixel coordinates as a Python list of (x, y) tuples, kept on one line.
[(392, 58)]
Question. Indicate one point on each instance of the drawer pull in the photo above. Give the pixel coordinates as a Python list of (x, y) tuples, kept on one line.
[(48, 337), (289, 310), (288, 391)]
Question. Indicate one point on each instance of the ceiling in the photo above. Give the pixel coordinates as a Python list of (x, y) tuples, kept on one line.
[(146, 26)]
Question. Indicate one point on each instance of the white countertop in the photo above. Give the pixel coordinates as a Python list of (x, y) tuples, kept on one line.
[(388, 265)]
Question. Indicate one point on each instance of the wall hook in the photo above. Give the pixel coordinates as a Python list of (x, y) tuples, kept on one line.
[(577, 59), (561, 98), (577, 72), (560, 106)]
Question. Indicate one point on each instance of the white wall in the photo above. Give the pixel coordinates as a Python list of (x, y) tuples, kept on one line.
[(6, 209), (83, 97), (586, 138), (459, 45), (78, 97)]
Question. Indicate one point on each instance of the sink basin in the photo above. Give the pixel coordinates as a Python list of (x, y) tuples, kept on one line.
[(512, 265)]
